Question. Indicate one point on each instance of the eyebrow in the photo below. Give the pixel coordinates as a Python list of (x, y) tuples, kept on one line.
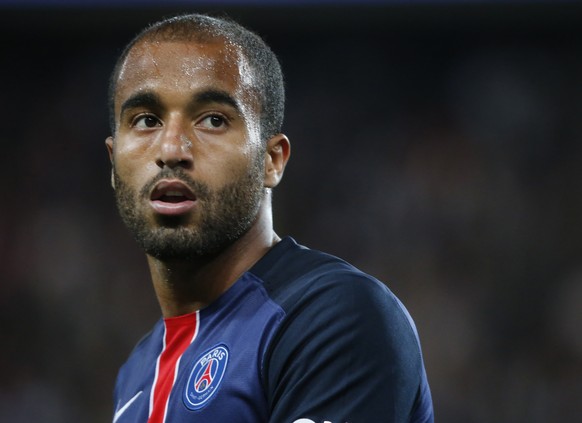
[(151, 100), (216, 96), (142, 99)]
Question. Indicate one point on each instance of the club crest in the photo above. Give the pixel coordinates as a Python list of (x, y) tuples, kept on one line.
[(205, 378)]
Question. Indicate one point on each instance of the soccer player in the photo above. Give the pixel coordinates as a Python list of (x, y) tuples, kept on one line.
[(254, 328)]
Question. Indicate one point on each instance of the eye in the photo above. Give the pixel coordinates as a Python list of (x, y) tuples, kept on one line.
[(213, 122), (146, 121)]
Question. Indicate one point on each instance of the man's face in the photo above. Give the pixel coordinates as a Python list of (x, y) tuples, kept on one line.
[(188, 161)]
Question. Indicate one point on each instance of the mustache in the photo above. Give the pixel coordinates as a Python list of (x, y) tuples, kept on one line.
[(201, 190)]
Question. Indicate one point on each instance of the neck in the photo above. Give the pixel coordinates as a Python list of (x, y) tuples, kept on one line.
[(184, 286)]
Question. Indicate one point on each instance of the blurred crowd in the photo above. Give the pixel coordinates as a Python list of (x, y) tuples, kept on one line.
[(444, 158)]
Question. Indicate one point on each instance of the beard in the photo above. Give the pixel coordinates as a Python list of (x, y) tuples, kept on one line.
[(225, 214)]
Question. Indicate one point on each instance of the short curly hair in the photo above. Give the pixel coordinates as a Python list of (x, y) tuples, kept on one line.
[(204, 28)]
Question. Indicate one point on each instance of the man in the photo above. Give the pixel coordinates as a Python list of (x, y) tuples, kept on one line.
[(255, 328)]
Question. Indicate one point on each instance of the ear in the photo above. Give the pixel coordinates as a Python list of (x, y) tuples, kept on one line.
[(276, 157), (109, 145)]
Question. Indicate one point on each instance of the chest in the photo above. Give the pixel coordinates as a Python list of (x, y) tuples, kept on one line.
[(213, 382), (211, 373)]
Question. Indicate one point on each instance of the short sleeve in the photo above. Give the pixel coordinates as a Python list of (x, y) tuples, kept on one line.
[(347, 351)]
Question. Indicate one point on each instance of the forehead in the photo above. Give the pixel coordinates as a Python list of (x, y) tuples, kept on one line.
[(181, 67)]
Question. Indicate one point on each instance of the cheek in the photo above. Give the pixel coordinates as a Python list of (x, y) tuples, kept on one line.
[(129, 150), (225, 169), (132, 167)]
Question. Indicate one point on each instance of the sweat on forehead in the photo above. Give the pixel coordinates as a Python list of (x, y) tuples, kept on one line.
[(189, 53), (186, 65), (189, 28)]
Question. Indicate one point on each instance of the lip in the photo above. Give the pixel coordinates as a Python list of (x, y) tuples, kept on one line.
[(172, 198)]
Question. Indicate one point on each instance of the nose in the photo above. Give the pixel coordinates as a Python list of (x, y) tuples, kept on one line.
[(174, 149)]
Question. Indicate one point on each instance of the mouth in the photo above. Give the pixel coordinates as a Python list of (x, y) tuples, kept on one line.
[(172, 198)]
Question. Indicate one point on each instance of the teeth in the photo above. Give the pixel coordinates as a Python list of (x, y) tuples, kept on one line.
[(174, 194)]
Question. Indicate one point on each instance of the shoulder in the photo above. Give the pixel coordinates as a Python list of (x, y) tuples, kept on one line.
[(343, 330), (308, 283), (328, 301)]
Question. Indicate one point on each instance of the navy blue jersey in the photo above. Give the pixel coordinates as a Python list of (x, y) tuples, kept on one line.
[(302, 337)]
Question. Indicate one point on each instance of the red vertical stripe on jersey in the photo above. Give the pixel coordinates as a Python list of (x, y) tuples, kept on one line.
[(179, 334)]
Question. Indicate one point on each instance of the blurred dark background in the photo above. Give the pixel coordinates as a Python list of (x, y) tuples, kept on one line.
[(436, 145)]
